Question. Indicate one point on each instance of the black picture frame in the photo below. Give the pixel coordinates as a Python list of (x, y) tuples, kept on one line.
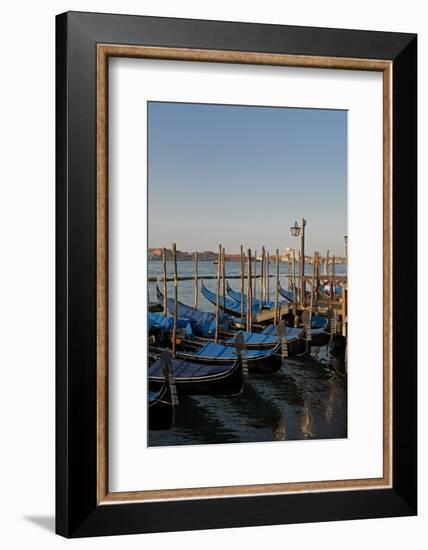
[(77, 512)]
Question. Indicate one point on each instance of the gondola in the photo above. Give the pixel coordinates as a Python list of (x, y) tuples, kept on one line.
[(319, 330), (262, 361), (235, 295), (165, 323), (163, 402), (211, 353), (230, 306), (155, 307), (266, 339), (202, 322), (291, 337), (194, 378), (288, 294), (319, 325), (263, 339), (252, 340), (295, 336)]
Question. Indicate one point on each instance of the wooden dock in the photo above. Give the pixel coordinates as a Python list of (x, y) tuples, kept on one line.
[(266, 315)]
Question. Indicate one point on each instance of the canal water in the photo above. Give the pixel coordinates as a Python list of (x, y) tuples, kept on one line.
[(306, 399)]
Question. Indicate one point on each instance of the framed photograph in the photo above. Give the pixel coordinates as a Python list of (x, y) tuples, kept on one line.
[(236, 274)]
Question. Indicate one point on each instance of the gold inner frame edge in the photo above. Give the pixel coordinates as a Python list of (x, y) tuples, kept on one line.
[(104, 51)]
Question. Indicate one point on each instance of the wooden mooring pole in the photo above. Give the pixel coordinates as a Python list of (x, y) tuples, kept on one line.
[(277, 288), (255, 274), (344, 308), (174, 327), (242, 282), (312, 289), (294, 284), (268, 276), (333, 271), (302, 273), (249, 293), (196, 280), (317, 274), (223, 275), (165, 308), (217, 302), (262, 280), (345, 293)]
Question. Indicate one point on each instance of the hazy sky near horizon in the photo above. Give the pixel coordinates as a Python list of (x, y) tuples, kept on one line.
[(242, 175)]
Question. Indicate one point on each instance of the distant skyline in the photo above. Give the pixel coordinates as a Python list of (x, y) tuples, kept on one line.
[(242, 175)]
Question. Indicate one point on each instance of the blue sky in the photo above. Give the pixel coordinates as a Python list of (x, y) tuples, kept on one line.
[(242, 175)]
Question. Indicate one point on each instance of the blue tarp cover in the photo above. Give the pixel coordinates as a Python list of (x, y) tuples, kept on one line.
[(203, 322), (256, 338), (291, 333), (166, 323), (153, 396), (267, 304), (218, 351), (228, 303), (319, 324)]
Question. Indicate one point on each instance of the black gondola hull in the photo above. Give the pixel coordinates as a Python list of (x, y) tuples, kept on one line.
[(320, 339), (266, 365), (161, 410), (229, 382)]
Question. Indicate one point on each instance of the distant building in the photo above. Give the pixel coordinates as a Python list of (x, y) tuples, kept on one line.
[(156, 254), (287, 254)]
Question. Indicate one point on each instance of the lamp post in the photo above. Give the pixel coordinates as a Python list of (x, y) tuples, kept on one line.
[(297, 230)]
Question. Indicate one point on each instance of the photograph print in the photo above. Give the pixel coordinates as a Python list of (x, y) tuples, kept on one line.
[(247, 274)]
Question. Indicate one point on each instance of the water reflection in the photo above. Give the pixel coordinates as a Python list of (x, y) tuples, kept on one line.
[(305, 400)]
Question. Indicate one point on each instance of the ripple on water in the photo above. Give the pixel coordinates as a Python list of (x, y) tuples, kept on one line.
[(306, 399)]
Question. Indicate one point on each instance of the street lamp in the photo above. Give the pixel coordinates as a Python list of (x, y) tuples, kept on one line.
[(297, 230)]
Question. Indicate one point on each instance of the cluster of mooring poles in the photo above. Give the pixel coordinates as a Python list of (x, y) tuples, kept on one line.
[(328, 293)]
